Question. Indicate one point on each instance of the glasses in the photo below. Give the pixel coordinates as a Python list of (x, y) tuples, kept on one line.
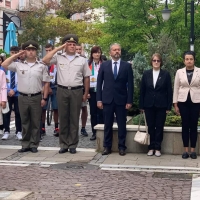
[(158, 61)]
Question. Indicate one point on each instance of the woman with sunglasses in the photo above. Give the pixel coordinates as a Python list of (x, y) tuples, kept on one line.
[(186, 101), (155, 102)]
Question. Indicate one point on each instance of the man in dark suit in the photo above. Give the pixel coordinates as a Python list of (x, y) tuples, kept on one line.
[(115, 95)]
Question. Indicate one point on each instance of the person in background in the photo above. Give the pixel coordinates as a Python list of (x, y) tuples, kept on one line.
[(155, 101), (13, 94), (1, 68), (96, 114), (53, 90), (186, 101), (32, 74), (115, 95), (3, 94), (84, 113)]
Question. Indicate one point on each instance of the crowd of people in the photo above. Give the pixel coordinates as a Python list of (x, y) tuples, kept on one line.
[(72, 81)]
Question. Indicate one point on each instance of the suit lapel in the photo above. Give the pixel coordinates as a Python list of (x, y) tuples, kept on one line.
[(150, 77), (110, 68), (194, 75)]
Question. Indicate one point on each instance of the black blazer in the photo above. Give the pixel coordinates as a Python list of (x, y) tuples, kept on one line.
[(161, 95), (119, 90)]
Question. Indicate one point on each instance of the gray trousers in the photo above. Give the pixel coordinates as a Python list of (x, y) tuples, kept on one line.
[(69, 106), (30, 112)]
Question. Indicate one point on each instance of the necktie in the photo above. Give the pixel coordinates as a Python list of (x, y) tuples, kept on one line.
[(115, 70), (12, 82)]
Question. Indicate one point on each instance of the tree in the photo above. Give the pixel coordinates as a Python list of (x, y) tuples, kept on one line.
[(40, 26), (134, 23), (67, 8)]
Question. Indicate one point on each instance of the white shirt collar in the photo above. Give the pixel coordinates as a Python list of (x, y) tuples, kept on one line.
[(118, 62)]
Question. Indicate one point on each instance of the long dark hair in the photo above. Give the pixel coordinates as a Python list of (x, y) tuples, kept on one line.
[(95, 49)]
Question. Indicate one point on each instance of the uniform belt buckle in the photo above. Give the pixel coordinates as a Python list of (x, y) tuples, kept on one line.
[(29, 95), (69, 88)]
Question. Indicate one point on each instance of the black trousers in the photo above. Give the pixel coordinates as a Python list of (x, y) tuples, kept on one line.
[(120, 112), (95, 112), (189, 114), (155, 121), (12, 101)]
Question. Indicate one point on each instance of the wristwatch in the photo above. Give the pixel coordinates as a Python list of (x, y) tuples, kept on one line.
[(45, 99)]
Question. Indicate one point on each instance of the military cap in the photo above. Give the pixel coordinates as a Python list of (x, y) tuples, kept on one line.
[(70, 38), (30, 44)]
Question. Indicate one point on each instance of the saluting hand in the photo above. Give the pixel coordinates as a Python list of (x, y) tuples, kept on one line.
[(61, 47)]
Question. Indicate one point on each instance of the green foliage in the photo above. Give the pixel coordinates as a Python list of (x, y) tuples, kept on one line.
[(41, 27), (139, 65), (134, 23), (171, 120), (2, 51)]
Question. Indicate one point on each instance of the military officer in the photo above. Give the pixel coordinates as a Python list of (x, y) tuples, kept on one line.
[(72, 71), (31, 75)]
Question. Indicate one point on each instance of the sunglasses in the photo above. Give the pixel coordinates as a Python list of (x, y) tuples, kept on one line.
[(156, 61)]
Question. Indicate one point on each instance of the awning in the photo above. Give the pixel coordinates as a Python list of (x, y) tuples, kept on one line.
[(12, 18)]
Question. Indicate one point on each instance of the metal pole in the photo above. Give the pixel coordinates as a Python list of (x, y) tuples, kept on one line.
[(192, 37)]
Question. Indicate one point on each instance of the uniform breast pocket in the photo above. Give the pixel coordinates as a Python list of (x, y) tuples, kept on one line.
[(62, 66), (78, 68), (37, 72), (22, 73)]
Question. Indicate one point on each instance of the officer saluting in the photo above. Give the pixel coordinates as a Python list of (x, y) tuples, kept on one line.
[(31, 75), (71, 70)]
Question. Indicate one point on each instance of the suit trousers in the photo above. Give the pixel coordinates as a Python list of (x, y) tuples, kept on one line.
[(189, 114), (95, 112), (69, 107), (120, 112), (155, 121), (30, 111), (12, 101)]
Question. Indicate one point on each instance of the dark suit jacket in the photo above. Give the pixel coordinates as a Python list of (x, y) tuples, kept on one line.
[(119, 90), (161, 95)]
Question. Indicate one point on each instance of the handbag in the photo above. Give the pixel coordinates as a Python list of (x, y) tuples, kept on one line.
[(6, 109), (142, 137)]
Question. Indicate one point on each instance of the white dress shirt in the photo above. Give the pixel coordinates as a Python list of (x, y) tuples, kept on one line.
[(118, 65), (155, 76)]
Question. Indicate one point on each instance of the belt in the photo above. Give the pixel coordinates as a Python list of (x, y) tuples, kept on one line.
[(70, 88), (30, 95)]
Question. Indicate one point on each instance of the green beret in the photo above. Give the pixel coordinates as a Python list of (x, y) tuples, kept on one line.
[(70, 38), (30, 44)]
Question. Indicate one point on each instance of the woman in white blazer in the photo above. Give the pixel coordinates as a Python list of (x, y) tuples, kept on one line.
[(186, 101)]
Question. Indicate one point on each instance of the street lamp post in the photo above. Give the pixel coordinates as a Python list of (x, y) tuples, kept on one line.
[(166, 15)]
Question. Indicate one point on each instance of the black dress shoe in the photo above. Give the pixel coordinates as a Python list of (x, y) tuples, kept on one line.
[(122, 152), (22, 150), (93, 137), (34, 150), (62, 150), (72, 150), (185, 155), (106, 151), (193, 155)]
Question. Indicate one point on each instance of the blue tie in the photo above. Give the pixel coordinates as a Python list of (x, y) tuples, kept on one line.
[(12, 82), (115, 70)]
